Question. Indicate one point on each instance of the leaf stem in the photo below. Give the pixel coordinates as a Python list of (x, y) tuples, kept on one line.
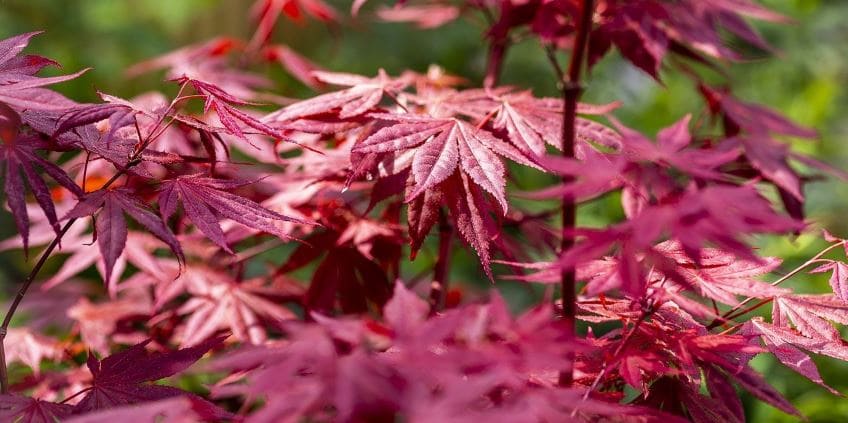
[(439, 286), (571, 91), (736, 312)]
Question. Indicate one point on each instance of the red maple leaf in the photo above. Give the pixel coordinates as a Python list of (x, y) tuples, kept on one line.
[(111, 226), (20, 409), (21, 88), (19, 152), (204, 199), (124, 378)]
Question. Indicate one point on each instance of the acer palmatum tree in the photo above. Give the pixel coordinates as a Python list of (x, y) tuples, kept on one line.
[(178, 202)]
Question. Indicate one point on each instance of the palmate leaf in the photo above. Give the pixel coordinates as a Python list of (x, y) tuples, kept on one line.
[(19, 409), (21, 88), (233, 119), (811, 315), (124, 378), (363, 95), (169, 410), (721, 275), (442, 146), (204, 199), (786, 345), (218, 301), (111, 226), (19, 154)]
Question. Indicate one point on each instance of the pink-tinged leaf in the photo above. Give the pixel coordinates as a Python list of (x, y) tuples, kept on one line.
[(442, 146), (22, 90), (811, 314), (220, 302), (405, 311), (839, 280), (124, 378), (30, 348), (424, 16), (12, 46), (434, 162), (235, 121), (723, 392), (784, 343), (298, 66), (171, 410), (19, 409), (364, 95), (111, 230), (204, 199), (721, 275), (422, 214), (471, 215)]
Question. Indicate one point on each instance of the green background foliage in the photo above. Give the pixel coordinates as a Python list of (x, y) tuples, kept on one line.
[(805, 80)]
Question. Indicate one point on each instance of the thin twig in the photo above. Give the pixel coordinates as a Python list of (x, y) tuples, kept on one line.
[(22, 290), (735, 311)]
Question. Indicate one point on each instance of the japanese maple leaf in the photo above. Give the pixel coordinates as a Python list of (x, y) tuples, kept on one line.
[(838, 278), (755, 127), (423, 16), (637, 31), (786, 345), (118, 116), (468, 209), (443, 145), (204, 199), (298, 66), (111, 226), (97, 322), (526, 121), (671, 150), (19, 154), (30, 348), (233, 119), (363, 95), (343, 275), (220, 302), (721, 275), (19, 409), (124, 378), (267, 12), (21, 89), (811, 314), (530, 123)]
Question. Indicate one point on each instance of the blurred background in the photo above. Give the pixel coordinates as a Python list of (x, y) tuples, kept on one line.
[(806, 81)]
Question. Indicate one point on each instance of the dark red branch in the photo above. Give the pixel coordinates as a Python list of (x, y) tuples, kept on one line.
[(571, 91), (439, 286)]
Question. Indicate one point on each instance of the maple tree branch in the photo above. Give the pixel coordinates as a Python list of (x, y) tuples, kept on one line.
[(736, 312), (571, 91), (22, 290), (439, 286)]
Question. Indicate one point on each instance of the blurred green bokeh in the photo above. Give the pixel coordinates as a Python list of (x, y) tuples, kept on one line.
[(807, 81)]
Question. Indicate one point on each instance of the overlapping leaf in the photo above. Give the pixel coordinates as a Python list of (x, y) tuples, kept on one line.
[(204, 199), (111, 226)]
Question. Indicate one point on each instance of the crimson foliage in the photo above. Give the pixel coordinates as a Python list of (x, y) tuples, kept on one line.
[(353, 176)]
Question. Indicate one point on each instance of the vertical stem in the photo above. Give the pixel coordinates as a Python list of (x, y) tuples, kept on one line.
[(4, 373), (571, 91), (439, 287), (4, 376)]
